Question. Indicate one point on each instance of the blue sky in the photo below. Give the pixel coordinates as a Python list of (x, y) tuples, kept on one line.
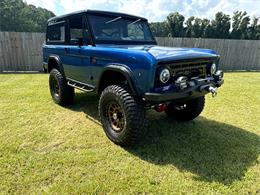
[(154, 10)]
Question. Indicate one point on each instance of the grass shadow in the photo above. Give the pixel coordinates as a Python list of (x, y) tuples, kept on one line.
[(213, 151)]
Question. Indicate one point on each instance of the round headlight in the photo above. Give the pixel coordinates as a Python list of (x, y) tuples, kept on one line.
[(213, 68), (165, 75)]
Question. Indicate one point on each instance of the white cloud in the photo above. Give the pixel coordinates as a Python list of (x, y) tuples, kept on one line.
[(48, 4), (154, 10)]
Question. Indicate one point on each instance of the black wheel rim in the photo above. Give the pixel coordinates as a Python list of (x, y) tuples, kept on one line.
[(55, 87), (116, 116)]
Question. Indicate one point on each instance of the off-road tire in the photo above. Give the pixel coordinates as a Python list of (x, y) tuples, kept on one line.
[(61, 93), (192, 110), (135, 123)]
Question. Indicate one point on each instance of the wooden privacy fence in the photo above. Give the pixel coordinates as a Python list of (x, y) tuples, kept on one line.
[(235, 54), (20, 51)]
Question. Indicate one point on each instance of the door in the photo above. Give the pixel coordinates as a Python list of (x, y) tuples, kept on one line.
[(77, 66)]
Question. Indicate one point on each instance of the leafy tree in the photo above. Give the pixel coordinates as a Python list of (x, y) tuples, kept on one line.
[(189, 26), (240, 25), (18, 16), (244, 27), (197, 28), (254, 29), (175, 22), (206, 28), (160, 29), (221, 25)]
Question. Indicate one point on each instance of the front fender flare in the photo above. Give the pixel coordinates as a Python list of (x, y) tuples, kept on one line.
[(123, 70)]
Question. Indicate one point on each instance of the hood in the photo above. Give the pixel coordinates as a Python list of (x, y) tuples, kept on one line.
[(171, 53)]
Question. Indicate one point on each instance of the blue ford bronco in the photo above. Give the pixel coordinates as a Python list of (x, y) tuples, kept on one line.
[(116, 55)]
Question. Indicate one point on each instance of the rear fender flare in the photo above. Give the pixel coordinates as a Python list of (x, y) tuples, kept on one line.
[(58, 61)]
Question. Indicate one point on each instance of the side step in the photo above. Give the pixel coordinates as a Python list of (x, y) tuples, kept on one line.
[(80, 86)]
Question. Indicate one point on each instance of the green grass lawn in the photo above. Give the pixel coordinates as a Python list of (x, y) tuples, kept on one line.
[(45, 148)]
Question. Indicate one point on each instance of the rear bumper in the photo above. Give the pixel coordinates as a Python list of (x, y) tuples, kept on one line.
[(197, 87)]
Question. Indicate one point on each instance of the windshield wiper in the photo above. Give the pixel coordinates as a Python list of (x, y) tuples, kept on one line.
[(135, 22), (113, 20)]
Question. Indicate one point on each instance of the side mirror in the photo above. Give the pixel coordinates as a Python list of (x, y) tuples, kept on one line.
[(79, 42)]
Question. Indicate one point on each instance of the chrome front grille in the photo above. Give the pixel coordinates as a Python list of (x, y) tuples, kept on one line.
[(189, 68)]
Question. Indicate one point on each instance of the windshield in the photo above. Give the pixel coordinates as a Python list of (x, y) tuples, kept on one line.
[(107, 29)]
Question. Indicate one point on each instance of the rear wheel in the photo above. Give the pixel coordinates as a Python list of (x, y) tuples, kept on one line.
[(122, 115), (61, 93), (186, 111)]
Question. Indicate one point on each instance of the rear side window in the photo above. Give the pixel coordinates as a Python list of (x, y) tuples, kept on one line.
[(56, 33)]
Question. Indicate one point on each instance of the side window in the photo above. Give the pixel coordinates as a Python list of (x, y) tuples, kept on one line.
[(76, 30), (56, 33)]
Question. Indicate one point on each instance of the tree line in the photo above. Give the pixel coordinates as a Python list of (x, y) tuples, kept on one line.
[(175, 25), (16, 15)]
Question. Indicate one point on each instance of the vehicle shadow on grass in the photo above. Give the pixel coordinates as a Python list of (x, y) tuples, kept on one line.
[(211, 150)]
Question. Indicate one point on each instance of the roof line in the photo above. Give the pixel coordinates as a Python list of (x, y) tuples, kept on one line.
[(96, 12)]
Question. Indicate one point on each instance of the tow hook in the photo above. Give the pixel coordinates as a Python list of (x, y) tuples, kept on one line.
[(213, 91), (160, 107)]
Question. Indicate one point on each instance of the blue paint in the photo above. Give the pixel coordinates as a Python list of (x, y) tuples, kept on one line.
[(138, 56), (141, 60)]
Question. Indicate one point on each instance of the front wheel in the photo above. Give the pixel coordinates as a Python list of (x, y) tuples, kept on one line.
[(122, 115), (186, 111)]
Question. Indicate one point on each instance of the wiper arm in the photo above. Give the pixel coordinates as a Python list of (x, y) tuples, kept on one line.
[(113, 20), (135, 21)]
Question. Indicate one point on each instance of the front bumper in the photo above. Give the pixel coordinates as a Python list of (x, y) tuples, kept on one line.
[(196, 87)]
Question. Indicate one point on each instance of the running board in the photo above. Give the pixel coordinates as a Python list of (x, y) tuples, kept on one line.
[(80, 86)]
